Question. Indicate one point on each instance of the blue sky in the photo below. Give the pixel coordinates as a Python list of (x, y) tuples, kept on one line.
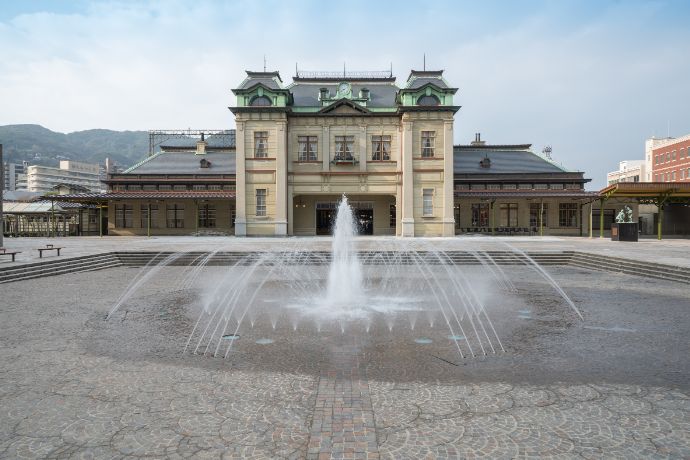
[(592, 79)]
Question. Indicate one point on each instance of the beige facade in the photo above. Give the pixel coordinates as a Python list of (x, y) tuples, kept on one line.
[(292, 161)]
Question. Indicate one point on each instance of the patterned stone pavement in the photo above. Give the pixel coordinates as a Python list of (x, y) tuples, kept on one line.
[(75, 386)]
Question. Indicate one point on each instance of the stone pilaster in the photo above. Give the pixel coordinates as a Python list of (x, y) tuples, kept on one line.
[(240, 188), (281, 180), (407, 216), (448, 182)]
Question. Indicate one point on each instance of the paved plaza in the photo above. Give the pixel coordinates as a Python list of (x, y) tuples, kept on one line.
[(614, 385)]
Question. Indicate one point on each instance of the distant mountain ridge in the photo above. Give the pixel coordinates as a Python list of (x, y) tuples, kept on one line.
[(39, 145)]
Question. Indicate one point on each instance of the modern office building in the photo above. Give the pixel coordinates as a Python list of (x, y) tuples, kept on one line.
[(628, 171), (46, 178), (13, 173)]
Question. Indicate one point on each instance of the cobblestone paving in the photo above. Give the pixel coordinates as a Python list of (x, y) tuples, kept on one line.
[(75, 386)]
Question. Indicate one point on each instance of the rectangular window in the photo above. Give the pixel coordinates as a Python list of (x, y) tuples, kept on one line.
[(673, 156), (668, 156), (164, 188), (134, 187), (381, 148), (307, 148), (480, 214), (214, 186), (525, 186), (198, 187), (207, 216), (175, 216), (145, 216), (534, 209), (149, 187), (541, 186), (261, 202), (260, 144), (428, 202), (673, 176), (344, 148), (567, 215), (493, 186), (391, 216), (123, 215), (428, 143), (179, 188), (509, 214), (509, 186), (556, 186)]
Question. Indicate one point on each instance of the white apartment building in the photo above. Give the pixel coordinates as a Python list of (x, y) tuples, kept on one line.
[(629, 171), (45, 178)]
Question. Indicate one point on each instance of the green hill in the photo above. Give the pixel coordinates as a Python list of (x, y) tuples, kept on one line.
[(39, 145)]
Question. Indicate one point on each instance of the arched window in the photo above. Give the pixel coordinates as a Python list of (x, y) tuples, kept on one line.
[(428, 100), (260, 101)]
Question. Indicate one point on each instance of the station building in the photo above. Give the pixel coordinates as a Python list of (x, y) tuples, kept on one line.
[(299, 147)]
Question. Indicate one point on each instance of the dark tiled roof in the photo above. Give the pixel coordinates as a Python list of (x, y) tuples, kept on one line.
[(503, 161), (419, 82), (307, 94), (270, 80), (185, 163)]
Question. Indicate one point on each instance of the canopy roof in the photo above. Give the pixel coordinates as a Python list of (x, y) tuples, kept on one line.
[(647, 190)]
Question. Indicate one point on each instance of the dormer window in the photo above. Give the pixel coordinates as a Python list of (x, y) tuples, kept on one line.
[(260, 101), (485, 163), (428, 101), (324, 94), (204, 163), (364, 93)]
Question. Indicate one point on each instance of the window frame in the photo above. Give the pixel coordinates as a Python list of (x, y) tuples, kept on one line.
[(207, 215), (568, 215), (428, 151), (307, 148), (260, 201), (344, 148), (176, 221), (534, 214), (143, 215), (427, 202), (260, 144), (479, 215), (379, 152)]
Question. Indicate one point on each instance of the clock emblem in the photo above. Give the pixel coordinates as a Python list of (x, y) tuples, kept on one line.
[(343, 89)]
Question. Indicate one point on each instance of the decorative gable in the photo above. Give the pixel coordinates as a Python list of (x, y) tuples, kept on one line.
[(345, 106)]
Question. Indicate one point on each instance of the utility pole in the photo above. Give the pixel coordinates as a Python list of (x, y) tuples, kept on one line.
[(2, 187)]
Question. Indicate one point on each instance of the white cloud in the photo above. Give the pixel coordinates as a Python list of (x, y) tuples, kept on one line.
[(594, 86)]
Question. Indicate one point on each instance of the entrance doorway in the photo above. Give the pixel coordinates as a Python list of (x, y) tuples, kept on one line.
[(363, 213), (324, 221), (364, 218)]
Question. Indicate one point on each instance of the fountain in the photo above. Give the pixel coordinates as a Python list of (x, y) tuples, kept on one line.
[(413, 281)]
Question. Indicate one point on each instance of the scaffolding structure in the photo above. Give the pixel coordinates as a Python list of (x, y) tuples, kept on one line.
[(223, 138)]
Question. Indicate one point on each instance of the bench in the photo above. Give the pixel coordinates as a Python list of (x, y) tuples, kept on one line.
[(5, 252), (48, 247)]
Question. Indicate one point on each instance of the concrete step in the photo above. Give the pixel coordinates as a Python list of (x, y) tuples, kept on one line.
[(75, 264)]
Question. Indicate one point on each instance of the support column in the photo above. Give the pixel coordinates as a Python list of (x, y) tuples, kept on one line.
[(591, 214), (281, 181), (148, 220), (541, 217), (407, 220), (240, 182), (448, 182), (659, 220), (601, 217), (100, 219), (326, 152), (363, 148)]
